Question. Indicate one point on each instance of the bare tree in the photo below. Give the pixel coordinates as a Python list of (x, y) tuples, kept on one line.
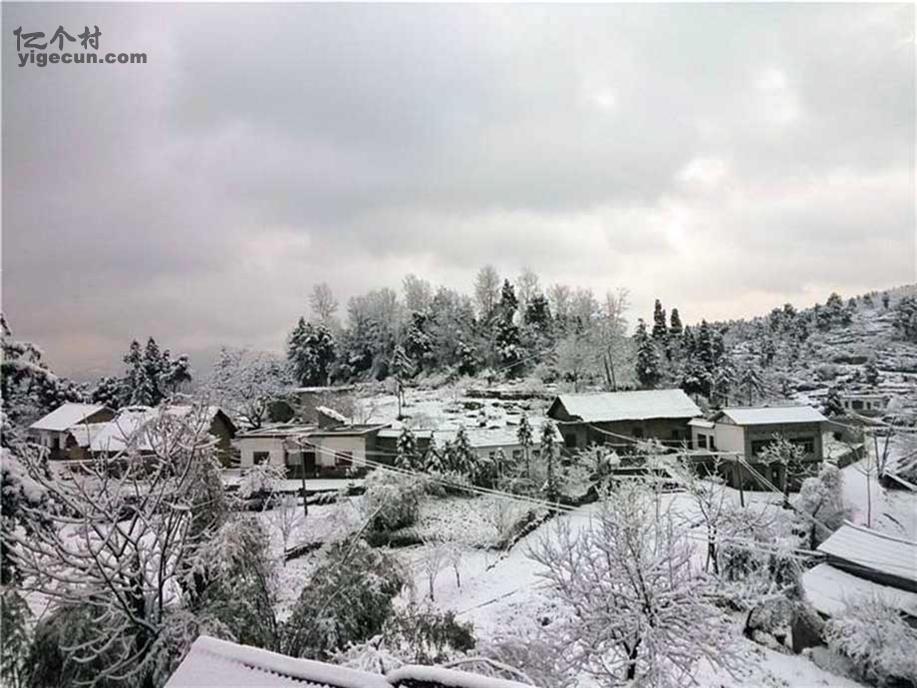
[(434, 558), (323, 304), (486, 290), (526, 287), (246, 382), (286, 517), (634, 610), (418, 293)]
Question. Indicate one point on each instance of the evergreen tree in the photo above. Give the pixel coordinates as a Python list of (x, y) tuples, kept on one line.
[(675, 328), (647, 357), (310, 352), (434, 460), (401, 368), (462, 458), (133, 379), (660, 330), (407, 456), (108, 392), (751, 384)]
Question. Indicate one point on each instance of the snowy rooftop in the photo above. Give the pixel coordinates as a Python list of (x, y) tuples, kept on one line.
[(219, 663), (495, 436), (773, 415), (640, 405), (872, 551), (829, 589), (65, 416), (130, 426), (212, 662), (701, 423)]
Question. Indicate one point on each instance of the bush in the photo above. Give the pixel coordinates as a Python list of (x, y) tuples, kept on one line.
[(424, 635), (347, 600), (875, 636), (392, 500)]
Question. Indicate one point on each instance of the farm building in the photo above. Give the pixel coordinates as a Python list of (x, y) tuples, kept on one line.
[(213, 663), (620, 417), (332, 448), (743, 434)]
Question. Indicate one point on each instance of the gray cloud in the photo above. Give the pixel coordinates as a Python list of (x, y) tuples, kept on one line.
[(723, 157)]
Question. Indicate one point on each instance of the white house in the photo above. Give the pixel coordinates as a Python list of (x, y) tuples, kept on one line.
[(53, 430)]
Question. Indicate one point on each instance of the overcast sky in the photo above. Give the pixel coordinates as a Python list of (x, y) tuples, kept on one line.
[(724, 158)]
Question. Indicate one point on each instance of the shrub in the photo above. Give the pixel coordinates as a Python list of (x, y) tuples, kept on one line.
[(424, 635), (875, 636), (392, 500)]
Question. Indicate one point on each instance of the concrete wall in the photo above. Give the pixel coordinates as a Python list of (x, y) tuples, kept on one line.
[(669, 430)]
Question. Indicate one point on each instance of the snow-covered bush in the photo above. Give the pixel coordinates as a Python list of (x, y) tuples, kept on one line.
[(231, 581), (422, 634), (346, 600), (822, 499), (875, 636), (392, 500), (633, 607)]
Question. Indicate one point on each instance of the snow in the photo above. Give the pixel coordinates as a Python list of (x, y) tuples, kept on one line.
[(774, 415), (65, 416), (889, 511), (829, 589), (873, 551), (640, 405), (218, 663)]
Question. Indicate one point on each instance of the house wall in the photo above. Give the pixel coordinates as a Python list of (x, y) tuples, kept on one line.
[(273, 445), (61, 445), (580, 435), (329, 450)]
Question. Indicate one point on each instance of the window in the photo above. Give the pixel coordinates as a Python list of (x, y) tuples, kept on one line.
[(536, 453), (344, 458), (701, 441), (857, 405), (261, 457), (517, 454), (570, 441), (638, 433)]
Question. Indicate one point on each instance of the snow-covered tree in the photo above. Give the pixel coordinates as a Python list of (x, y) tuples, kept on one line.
[(782, 452), (407, 454), (392, 500), (574, 358), (347, 599), (633, 609), (323, 304), (821, 500), (751, 384), (461, 457), (310, 353), (119, 549), (524, 435), (245, 383), (486, 290), (660, 330), (647, 362), (551, 460), (401, 369)]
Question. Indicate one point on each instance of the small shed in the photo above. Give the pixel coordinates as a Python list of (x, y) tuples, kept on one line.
[(53, 430)]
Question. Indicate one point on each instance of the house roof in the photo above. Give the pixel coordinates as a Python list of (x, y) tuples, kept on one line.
[(772, 415), (212, 662), (617, 406), (494, 436), (277, 430), (219, 663), (701, 423), (873, 552), (130, 425), (332, 413), (829, 589), (65, 416)]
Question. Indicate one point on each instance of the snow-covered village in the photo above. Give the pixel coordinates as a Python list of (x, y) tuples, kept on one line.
[(459, 346)]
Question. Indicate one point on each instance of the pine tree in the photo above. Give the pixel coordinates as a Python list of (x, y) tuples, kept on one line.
[(751, 384), (660, 330), (675, 328), (833, 404), (433, 458), (647, 357), (462, 457), (401, 368)]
